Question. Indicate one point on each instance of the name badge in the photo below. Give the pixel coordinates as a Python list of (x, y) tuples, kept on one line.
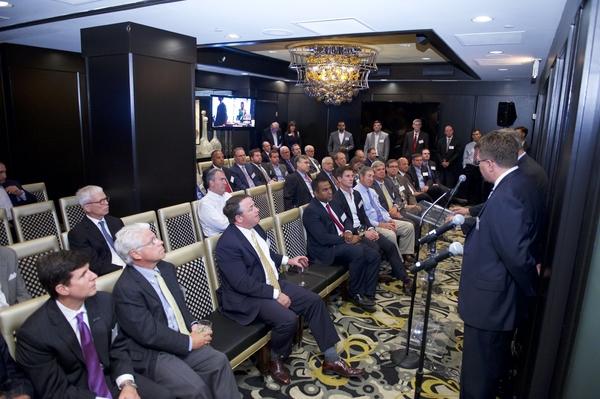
[(12, 276), (477, 223), (343, 218), (425, 174), (421, 141), (346, 138), (450, 147), (231, 179), (360, 204), (253, 175), (433, 168), (401, 188), (381, 140)]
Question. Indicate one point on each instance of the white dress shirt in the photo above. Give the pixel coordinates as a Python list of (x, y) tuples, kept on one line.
[(116, 259), (6, 203), (350, 200), (469, 154), (210, 213)]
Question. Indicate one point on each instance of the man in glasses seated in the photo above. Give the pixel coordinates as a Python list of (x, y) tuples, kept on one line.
[(95, 234)]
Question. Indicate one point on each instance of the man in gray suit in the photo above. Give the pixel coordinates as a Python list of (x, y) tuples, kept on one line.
[(11, 283), (340, 140), (378, 140)]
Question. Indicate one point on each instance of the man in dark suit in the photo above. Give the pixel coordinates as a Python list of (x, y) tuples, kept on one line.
[(415, 140), (255, 161), (274, 169), (297, 189), (266, 151), (449, 152), (165, 341), (12, 194), (13, 382), (243, 174), (251, 290), (218, 162), (340, 140), (330, 240), (309, 150), (11, 282), (421, 179), (273, 135), (71, 347), (498, 275), (285, 158), (95, 233), (327, 168), (402, 183)]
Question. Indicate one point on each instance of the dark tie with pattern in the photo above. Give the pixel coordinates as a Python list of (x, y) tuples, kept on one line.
[(106, 234), (96, 382)]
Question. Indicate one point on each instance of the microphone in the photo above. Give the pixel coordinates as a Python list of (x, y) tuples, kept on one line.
[(461, 180), (433, 235), (454, 249)]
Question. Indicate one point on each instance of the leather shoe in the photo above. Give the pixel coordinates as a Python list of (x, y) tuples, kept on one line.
[(407, 286), (279, 372), (341, 368), (408, 259), (385, 278), (364, 303)]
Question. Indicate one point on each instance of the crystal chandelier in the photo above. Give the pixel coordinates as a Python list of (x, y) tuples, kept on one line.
[(332, 72)]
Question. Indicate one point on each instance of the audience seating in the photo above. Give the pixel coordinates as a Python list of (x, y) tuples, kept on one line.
[(71, 212), (209, 244), (144, 217), (228, 162), (64, 240), (37, 189), (260, 195), (196, 220), (28, 253), (276, 194), (177, 226), (5, 234), (35, 221), (202, 166), (196, 276)]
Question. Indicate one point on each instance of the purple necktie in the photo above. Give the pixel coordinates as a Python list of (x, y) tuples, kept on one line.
[(96, 382)]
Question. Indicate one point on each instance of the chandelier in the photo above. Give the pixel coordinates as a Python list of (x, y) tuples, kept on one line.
[(332, 72)]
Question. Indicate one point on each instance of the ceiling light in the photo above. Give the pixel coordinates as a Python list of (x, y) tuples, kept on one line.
[(244, 73), (333, 72), (503, 69), (232, 36), (482, 19), (425, 58), (272, 51), (507, 26), (276, 32), (219, 29), (5, 4), (496, 52)]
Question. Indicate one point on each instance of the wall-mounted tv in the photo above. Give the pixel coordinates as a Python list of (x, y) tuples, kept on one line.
[(232, 112)]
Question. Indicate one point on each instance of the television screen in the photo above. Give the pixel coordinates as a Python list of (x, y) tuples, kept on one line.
[(232, 112)]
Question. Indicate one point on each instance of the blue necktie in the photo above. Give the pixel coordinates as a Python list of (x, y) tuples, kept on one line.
[(106, 234), (379, 215)]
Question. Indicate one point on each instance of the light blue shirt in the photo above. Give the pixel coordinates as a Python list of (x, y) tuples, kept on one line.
[(370, 207), (420, 177)]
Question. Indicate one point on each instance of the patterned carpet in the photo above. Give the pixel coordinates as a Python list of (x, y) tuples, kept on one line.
[(367, 340)]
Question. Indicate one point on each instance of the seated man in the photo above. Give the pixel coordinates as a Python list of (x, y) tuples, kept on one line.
[(12, 286), (404, 187), (286, 159), (327, 167), (330, 240), (13, 382), (218, 162), (340, 159), (256, 161), (266, 151), (243, 174), (71, 347), (95, 233), (371, 157), (275, 170), (251, 290), (309, 150), (297, 190), (12, 194), (421, 179), (167, 342), (352, 204), (210, 208), (406, 180), (381, 219)]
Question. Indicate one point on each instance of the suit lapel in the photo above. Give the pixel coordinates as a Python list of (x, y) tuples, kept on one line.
[(64, 332), (98, 329), (143, 283), (245, 243)]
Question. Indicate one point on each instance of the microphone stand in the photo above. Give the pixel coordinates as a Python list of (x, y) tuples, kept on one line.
[(404, 357)]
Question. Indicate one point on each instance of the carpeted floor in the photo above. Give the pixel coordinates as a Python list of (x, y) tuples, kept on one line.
[(367, 340)]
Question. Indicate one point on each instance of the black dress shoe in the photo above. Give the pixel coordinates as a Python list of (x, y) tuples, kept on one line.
[(279, 372), (408, 260), (364, 303), (341, 368), (407, 285)]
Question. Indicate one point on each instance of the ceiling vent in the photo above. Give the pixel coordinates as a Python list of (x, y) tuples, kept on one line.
[(338, 26), (490, 38)]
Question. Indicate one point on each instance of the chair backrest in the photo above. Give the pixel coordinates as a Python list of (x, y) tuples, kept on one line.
[(35, 221), (210, 244), (229, 162), (70, 211), (239, 192), (202, 166), (37, 189), (197, 224), (260, 195), (144, 217), (276, 190), (28, 253), (292, 231), (64, 240), (177, 226), (5, 235), (195, 278), (268, 225), (107, 282)]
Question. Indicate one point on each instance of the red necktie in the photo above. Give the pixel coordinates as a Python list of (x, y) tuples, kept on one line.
[(334, 219), (415, 139)]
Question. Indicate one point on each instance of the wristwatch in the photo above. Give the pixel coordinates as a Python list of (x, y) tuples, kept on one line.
[(127, 383)]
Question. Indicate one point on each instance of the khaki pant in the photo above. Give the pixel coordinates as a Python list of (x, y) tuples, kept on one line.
[(405, 231)]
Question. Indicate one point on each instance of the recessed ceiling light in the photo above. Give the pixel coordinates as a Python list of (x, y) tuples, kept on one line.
[(232, 36), (503, 69), (276, 32), (5, 4), (244, 73), (425, 58), (219, 29), (496, 52), (482, 19), (508, 26), (383, 80), (272, 51)]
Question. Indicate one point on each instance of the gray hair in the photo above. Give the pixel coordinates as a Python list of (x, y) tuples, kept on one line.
[(210, 175), (130, 238), (377, 164), (325, 160), (512, 132), (306, 147), (84, 194)]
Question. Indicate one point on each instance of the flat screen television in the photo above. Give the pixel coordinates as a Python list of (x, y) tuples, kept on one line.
[(232, 112)]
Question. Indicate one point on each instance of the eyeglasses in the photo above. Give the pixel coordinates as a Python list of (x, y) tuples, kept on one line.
[(104, 200), (154, 241), (477, 162)]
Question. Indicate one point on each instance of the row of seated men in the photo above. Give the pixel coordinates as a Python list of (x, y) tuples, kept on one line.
[(12, 193)]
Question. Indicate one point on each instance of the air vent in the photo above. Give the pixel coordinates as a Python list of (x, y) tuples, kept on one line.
[(490, 38), (438, 70), (335, 26), (382, 71)]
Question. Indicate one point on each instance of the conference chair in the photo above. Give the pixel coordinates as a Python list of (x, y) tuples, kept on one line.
[(5, 234), (71, 212), (177, 226), (144, 217), (38, 190), (35, 221), (276, 196), (260, 195), (28, 253)]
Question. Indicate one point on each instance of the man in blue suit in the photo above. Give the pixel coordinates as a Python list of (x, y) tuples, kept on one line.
[(243, 174), (498, 276), (251, 290)]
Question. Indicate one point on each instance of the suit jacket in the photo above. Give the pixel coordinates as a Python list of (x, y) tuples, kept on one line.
[(227, 172), (407, 145), (289, 166), (142, 318), (412, 174), (431, 171), (295, 191), (321, 231), (48, 350), (12, 377), (266, 157), (382, 144), (394, 193), (289, 139), (239, 180), (498, 274), (268, 136), (334, 187), (340, 202), (17, 201), (314, 165), (86, 237), (453, 155), (11, 281), (406, 187), (269, 167), (242, 275), (534, 171), (334, 145)]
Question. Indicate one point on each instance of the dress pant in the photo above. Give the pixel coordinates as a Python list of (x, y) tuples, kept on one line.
[(363, 264), (390, 253), (405, 233)]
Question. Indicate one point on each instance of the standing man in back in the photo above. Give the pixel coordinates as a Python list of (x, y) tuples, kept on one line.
[(378, 140), (415, 140), (340, 140)]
